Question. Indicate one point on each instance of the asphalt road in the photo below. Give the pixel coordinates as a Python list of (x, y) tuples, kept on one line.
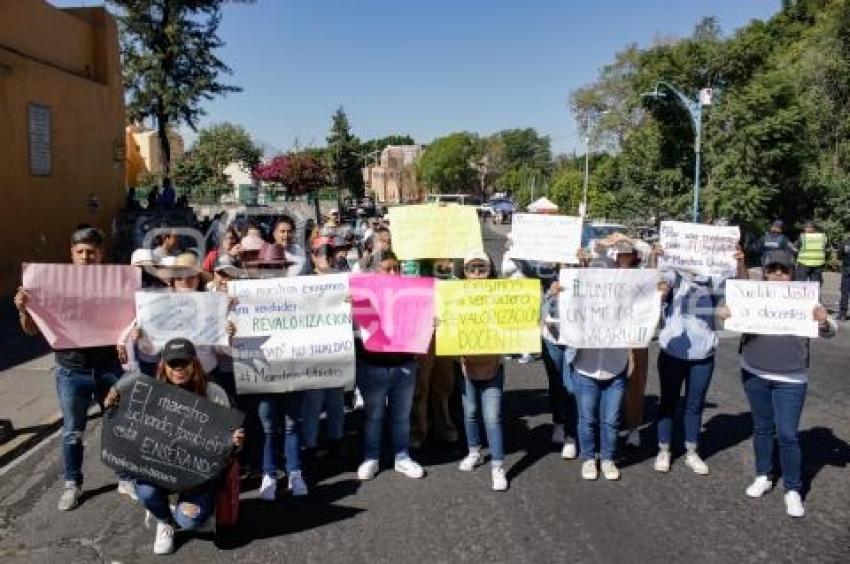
[(549, 514)]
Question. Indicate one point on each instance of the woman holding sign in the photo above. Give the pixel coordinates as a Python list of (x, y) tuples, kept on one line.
[(180, 367), (483, 385), (688, 341), (774, 371), (386, 381)]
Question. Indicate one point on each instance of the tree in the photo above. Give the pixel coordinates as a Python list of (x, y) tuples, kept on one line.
[(170, 67), (447, 164), (300, 173), (342, 155)]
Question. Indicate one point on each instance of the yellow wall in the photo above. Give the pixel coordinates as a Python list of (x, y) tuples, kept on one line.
[(67, 60)]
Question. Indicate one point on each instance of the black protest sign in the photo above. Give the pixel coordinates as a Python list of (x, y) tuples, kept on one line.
[(167, 436)]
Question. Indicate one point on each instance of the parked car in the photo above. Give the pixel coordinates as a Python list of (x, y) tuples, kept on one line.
[(503, 209)]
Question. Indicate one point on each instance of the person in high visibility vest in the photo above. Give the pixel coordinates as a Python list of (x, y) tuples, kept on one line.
[(811, 255)]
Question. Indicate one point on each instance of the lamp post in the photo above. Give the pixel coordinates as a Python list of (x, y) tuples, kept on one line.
[(694, 108), (583, 208)]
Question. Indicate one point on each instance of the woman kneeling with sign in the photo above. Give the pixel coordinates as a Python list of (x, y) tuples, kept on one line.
[(180, 367)]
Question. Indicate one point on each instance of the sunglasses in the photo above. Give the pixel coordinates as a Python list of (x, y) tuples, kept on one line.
[(178, 364), (478, 268), (777, 268)]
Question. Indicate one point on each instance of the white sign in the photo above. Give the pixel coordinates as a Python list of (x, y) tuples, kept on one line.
[(608, 308), (772, 308), (200, 317), (292, 334), (705, 250), (550, 238)]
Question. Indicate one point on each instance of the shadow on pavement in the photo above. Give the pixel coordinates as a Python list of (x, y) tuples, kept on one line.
[(821, 448), (260, 519), (89, 494), (724, 431)]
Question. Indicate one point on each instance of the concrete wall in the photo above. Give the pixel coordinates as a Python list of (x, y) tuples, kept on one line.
[(68, 61)]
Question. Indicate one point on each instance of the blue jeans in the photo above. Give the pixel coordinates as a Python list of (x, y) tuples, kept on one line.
[(776, 408), (696, 375), (602, 397), (387, 389), (155, 500), (333, 402), (561, 395), (269, 410), (486, 394), (76, 390)]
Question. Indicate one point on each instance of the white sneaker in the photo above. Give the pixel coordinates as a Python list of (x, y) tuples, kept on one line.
[(588, 469), (500, 479), (570, 451), (662, 461), (696, 463), (128, 488), (367, 470), (525, 358), (633, 439), (297, 485), (70, 497), (793, 504), (760, 486), (268, 487), (473, 459), (409, 468), (164, 542), (358, 399), (609, 470), (558, 434)]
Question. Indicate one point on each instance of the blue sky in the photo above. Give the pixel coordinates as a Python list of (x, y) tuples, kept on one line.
[(428, 68)]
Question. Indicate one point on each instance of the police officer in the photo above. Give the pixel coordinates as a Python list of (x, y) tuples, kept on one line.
[(811, 255), (774, 239)]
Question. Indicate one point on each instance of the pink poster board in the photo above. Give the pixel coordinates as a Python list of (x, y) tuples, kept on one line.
[(81, 306), (393, 313)]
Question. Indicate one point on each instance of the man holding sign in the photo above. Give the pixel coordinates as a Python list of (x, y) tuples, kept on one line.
[(774, 372), (82, 373)]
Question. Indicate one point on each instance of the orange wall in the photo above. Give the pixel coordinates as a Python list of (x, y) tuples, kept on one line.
[(39, 213)]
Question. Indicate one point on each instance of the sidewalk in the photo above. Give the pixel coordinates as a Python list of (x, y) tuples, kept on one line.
[(27, 389)]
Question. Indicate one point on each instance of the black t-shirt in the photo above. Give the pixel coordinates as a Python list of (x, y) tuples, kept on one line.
[(87, 358)]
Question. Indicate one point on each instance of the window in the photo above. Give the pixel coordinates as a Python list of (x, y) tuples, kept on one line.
[(39, 122)]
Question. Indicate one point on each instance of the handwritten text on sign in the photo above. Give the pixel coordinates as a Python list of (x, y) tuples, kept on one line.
[(81, 305), (431, 232), (772, 308), (551, 238), (604, 308), (705, 250), (393, 313), (162, 434), (200, 317), (292, 334), (488, 316)]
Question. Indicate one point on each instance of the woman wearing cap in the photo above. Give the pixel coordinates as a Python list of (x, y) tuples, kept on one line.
[(483, 385), (687, 340), (599, 381), (331, 399), (386, 381), (272, 262), (774, 372), (180, 367)]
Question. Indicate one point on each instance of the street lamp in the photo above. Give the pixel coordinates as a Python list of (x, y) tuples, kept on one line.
[(694, 108), (583, 209)]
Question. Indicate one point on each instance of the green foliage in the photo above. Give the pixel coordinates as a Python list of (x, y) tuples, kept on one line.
[(342, 155), (170, 66), (447, 165), (378, 145)]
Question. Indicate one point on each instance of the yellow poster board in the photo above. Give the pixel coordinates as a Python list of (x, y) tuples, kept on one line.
[(432, 231), (487, 316)]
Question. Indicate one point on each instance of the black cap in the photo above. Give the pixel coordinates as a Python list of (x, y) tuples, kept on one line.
[(178, 349), (88, 235), (778, 257)]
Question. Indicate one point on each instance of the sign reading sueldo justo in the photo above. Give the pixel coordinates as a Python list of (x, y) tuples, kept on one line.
[(167, 436)]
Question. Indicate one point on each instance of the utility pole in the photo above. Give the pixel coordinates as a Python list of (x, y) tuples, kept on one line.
[(694, 108)]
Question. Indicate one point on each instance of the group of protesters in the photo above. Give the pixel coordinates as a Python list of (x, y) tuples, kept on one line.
[(596, 395)]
